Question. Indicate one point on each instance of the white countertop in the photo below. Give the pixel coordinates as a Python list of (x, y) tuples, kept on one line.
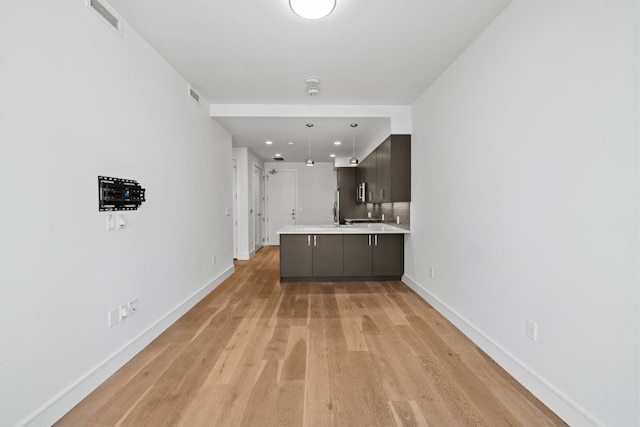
[(375, 228)]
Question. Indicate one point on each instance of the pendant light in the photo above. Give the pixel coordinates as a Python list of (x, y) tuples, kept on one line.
[(309, 161), (353, 161), (312, 9)]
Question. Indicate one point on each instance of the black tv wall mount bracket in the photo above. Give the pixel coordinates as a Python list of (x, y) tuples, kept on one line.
[(117, 194)]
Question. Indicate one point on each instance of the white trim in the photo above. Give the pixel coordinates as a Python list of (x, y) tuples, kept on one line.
[(557, 401), (259, 242), (57, 407), (243, 256)]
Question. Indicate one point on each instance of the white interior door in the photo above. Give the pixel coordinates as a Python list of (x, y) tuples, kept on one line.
[(234, 189), (258, 207), (282, 191)]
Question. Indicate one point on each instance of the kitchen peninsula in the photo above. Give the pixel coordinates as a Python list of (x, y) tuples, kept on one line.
[(341, 253)]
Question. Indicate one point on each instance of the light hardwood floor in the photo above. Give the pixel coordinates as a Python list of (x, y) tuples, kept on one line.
[(256, 352)]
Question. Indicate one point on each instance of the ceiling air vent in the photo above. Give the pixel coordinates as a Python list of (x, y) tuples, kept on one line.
[(194, 95), (106, 14)]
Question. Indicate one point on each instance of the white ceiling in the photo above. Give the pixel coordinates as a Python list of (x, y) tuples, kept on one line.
[(367, 52), (324, 133)]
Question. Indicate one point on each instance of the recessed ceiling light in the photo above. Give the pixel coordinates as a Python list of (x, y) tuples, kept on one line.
[(337, 143), (268, 142), (290, 143), (332, 155)]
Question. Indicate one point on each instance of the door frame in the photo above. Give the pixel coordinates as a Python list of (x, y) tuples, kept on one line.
[(234, 202), (258, 207), (295, 200)]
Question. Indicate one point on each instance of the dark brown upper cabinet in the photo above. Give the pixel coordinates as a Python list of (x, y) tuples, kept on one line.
[(387, 171)]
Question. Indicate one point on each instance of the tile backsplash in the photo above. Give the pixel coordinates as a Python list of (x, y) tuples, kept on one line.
[(391, 211)]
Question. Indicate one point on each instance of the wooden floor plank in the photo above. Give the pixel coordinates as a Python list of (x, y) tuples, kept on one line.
[(351, 323), (257, 352)]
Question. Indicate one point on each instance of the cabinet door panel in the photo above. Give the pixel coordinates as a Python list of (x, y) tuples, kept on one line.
[(295, 255), (357, 255), (388, 255), (328, 255), (400, 169), (383, 172), (370, 177)]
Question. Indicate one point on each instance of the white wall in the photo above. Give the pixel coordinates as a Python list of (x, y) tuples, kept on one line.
[(78, 101), (525, 201), (245, 161), (316, 190)]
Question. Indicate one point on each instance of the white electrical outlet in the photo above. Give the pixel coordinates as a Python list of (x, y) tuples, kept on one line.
[(431, 271), (532, 330), (114, 317), (213, 260), (133, 307)]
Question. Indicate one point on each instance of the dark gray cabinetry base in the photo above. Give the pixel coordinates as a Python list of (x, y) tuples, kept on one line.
[(295, 255), (357, 255), (338, 257), (327, 255), (388, 255), (311, 255), (375, 255)]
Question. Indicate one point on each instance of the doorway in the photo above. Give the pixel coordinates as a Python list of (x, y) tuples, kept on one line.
[(234, 192), (282, 190), (258, 208)]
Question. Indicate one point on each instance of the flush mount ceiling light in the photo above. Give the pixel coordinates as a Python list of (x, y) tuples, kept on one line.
[(353, 161), (309, 161), (312, 9), (337, 143)]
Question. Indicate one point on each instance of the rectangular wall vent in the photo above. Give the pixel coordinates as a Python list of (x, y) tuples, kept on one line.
[(193, 94), (106, 14)]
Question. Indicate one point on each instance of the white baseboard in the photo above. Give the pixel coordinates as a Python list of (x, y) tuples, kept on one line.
[(67, 399), (559, 403)]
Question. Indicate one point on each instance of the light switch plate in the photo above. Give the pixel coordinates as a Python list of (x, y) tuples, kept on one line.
[(114, 317), (110, 222), (124, 312)]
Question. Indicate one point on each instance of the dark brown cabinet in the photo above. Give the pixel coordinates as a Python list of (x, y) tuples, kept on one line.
[(387, 171), (328, 255), (365, 173), (296, 255), (388, 255), (374, 255), (339, 257), (311, 255), (357, 255), (347, 187)]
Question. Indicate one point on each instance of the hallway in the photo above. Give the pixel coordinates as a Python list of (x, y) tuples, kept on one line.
[(259, 353)]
